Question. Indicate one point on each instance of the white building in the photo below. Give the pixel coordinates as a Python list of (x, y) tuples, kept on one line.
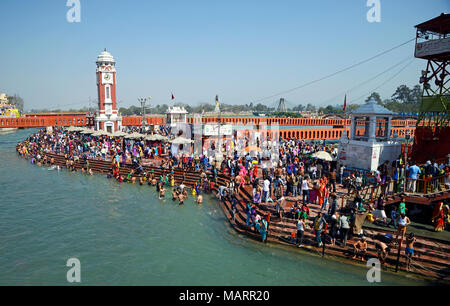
[(370, 142), (176, 115)]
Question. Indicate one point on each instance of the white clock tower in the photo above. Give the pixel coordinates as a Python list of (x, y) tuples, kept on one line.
[(107, 118)]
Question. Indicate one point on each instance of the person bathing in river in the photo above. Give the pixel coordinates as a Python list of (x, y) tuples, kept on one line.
[(199, 199), (175, 194), (185, 193), (161, 192), (181, 199)]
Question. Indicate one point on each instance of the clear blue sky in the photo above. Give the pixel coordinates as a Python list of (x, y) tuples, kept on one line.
[(242, 50)]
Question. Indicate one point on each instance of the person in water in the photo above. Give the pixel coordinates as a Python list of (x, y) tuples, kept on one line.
[(181, 199), (185, 194), (161, 192), (199, 199), (175, 194)]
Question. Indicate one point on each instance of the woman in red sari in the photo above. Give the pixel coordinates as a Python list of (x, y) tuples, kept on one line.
[(438, 217)]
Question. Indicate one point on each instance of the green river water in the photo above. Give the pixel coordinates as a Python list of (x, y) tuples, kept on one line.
[(123, 235)]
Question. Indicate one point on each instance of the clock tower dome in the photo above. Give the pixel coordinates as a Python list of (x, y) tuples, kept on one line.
[(107, 118)]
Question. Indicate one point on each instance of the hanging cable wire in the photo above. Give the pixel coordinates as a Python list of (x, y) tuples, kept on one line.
[(69, 104), (384, 83), (366, 81), (335, 73)]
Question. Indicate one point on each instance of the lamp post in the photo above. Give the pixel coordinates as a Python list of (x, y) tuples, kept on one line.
[(148, 104), (142, 101), (219, 155), (407, 138)]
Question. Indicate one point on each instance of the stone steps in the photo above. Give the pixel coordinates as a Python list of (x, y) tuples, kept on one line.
[(281, 230)]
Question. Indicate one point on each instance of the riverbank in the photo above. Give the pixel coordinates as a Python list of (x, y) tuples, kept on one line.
[(124, 235), (102, 166)]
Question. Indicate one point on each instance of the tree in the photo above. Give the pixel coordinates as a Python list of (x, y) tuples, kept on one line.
[(376, 96), (402, 94), (352, 107), (330, 109), (17, 101), (416, 95), (260, 107), (310, 108), (299, 108), (405, 100)]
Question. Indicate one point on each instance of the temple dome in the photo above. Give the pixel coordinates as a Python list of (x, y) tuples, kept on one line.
[(372, 108), (105, 57)]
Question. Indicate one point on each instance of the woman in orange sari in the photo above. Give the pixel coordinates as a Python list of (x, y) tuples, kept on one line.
[(321, 193), (438, 217)]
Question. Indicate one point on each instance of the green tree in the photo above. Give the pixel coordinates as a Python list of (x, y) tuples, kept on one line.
[(310, 108), (376, 96), (17, 101), (402, 94), (299, 108)]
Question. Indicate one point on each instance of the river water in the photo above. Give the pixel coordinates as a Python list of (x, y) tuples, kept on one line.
[(123, 235)]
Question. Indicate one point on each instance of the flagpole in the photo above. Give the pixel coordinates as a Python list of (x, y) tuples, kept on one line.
[(220, 119), (345, 114)]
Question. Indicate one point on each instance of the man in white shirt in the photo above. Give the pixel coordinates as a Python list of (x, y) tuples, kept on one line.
[(300, 232), (266, 189), (279, 206)]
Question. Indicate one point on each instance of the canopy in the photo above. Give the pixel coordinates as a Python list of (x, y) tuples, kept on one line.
[(323, 155), (181, 140), (119, 134), (87, 131), (160, 137), (101, 133), (150, 137), (135, 135), (74, 129)]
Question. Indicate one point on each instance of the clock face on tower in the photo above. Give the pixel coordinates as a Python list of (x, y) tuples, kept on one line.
[(107, 78)]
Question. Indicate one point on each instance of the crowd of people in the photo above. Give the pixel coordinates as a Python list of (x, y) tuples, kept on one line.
[(294, 174), (83, 148), (306, 180)]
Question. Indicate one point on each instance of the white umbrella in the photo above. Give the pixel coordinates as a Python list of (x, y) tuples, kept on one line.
[(119, 134), (96, 133), (323, 155), (150, 137), (160, 137), (72, 129), (134, 135), (181, 140), (101, 133), (87, 131)]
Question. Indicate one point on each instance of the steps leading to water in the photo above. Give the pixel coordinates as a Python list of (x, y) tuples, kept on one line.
[(433, 260)]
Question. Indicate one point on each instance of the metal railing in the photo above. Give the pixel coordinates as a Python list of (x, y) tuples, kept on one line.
[(423, 186)]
